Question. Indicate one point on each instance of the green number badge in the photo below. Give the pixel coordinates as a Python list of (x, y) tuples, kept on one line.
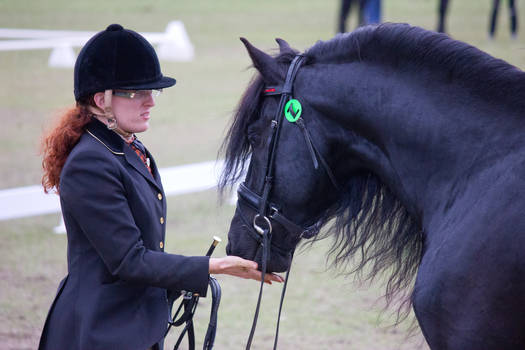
[(292, 110)]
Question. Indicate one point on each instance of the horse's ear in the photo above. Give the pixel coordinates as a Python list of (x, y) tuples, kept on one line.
[(264, 63), (283, 46)]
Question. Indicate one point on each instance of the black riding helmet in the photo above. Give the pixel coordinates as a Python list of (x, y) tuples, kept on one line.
[(118, 58)]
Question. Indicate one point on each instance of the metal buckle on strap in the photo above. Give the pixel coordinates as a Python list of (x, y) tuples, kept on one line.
[(258, 228), (273, 210)]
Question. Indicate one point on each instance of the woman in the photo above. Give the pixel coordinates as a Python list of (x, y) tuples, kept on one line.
[(114, 208)]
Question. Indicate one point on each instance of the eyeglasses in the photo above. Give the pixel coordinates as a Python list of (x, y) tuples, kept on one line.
[(137, 94)]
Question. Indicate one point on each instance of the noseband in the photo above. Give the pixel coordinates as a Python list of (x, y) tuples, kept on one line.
[(268, 212)]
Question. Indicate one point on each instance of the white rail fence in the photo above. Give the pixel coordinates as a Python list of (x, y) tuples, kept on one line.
[(172, 45), (31, 200)]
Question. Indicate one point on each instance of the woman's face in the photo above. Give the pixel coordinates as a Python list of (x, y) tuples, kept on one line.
[(131, 108), (132, 114)]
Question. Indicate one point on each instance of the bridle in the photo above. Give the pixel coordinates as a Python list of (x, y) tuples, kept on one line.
[(260, 227)]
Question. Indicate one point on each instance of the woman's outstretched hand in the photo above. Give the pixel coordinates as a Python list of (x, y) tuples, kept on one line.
[(235, 266)]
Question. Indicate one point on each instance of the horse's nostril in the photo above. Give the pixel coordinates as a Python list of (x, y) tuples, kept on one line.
[(228, 249)]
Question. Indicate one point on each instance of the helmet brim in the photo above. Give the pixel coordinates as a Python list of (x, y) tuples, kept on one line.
[(164, 82)]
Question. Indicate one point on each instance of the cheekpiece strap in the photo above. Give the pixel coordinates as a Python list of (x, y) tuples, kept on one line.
[(292, 72)]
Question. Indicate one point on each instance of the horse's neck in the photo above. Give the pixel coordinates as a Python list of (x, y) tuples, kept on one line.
[(422, 136)]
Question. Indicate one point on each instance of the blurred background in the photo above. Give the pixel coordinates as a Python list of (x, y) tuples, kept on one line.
[(323, 308)]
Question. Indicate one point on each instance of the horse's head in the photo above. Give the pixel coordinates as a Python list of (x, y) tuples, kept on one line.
[(290, 180)]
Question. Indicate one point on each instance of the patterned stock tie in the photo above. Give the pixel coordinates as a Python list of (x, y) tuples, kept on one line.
[(140, 150)]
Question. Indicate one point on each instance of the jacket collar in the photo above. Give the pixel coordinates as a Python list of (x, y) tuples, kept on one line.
[(116, 145), (108, 138)]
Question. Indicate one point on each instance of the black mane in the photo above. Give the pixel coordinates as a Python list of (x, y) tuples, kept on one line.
[(403, 45)]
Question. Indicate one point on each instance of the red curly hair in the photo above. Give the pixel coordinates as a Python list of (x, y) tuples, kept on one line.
[(58, 142)]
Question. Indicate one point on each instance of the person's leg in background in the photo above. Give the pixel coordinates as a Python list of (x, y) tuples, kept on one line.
[(372, 11), (513, 19), (493, 18), (442, 10), (343, 15)]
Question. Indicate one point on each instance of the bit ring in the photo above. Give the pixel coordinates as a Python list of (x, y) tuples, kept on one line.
[(258, 228)]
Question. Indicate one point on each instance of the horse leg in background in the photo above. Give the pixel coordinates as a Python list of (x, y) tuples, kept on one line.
[(346, 6), (443, 7), (513, 19), (493, 18)]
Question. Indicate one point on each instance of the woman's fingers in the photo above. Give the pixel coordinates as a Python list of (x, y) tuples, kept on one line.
[(268, 277), (236, 266), (276, 278)]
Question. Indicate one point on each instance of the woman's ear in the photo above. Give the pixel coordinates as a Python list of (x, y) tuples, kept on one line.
[(99, 100)]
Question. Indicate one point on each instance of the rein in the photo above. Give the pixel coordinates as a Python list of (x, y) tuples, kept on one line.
[(261, 225), (189, 304)]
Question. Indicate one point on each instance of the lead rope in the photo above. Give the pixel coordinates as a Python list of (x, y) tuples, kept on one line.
[(265, 247), (283, 292), (209, 339)]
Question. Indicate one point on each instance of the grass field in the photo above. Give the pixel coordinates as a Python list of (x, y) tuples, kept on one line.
[(323, 310)]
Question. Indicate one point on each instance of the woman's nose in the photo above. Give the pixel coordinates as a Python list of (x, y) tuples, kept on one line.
[(149, 100)]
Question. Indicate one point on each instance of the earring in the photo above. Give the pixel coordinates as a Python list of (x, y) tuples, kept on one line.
[(112, 123)]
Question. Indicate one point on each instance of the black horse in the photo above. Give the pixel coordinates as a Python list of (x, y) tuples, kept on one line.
[(419, 142)]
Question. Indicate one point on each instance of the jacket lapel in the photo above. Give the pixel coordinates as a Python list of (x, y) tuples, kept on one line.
[(155, 170), (133, 159)]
